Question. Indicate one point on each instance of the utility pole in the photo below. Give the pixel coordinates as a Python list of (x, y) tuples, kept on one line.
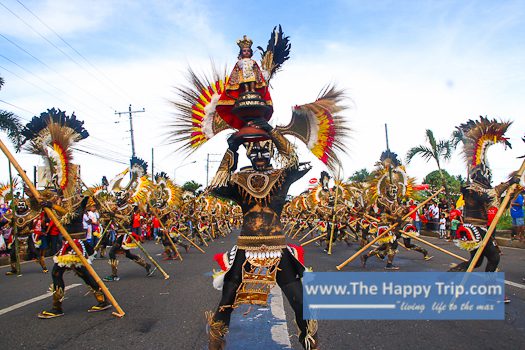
[(388, 150), (152, 165), (131, 126)]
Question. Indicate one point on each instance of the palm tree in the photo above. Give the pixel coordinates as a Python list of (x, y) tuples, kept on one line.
[(437, 150), (10, 123)]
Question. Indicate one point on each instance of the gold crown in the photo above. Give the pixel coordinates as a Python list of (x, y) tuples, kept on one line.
[(245, 42)]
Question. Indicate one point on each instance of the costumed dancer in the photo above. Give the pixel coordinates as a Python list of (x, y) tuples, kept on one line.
[(52, 135), (479, 196), (125, 210), (260, 190), (390, 185)]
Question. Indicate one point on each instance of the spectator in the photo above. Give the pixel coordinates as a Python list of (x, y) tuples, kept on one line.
[(54, 236), (135, 222), (416, 220), (454, 224), (454, 214), (86, 225), (433, 211), (156, 227), (442, 226), (516, 213)]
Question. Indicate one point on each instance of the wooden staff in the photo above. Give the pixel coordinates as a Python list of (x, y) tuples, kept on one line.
[(65, 234), (103, 235), (314, 239), (167, 234), (300, 226), (494, 222), (307, 233), (150, 258), (14, 225), (288, 231), (201, 236), (189, 240), (333, 218), (409, 234), (350, 259), (372, 218)]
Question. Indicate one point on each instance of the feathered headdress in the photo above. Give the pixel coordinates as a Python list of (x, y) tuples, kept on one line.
[(277, 52), (5, 190), (52, 135), (477, 136), (389, 172), (166, 191), (318, 124)]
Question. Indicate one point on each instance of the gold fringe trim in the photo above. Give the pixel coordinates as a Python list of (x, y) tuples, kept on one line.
[(250, 242), (221, 178), (310, 341), (218, 329)]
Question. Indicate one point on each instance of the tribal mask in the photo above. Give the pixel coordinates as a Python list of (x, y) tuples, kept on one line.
[(260, 153)]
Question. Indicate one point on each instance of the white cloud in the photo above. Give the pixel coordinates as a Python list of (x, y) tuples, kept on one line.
[(65, 17), (434, 84)]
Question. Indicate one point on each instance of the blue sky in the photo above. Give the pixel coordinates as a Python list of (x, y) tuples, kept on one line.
[(411, 64)]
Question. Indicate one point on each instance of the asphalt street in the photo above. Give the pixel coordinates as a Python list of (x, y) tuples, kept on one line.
[(169, 314)]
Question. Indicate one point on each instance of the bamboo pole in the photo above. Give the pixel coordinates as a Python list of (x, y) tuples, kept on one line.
[(307, 233), (314, 239), (167, 234), (350, 259), (372, 218), (494, 222), (153, 261), (106, 229), (334, 211), (201, 236), (65, 234), (409, 234), (300, 226), (191, 242), (289, 230), (14, 225)]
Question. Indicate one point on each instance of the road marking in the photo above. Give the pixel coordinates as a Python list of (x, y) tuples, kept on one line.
[(32, 300), (514, 284), (25, 262), (261, 327), (280, 329)]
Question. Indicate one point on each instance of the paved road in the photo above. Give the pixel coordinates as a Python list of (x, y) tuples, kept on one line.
[(168, 314)]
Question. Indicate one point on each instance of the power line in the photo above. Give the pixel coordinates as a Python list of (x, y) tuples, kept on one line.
[(46, 83), (77, 52), (20, 108), (55, 71), (99, 156)]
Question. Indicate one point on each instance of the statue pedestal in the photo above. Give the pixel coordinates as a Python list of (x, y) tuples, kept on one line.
[(250, 106)]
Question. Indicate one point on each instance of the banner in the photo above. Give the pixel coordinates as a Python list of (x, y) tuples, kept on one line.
[(403, 296)]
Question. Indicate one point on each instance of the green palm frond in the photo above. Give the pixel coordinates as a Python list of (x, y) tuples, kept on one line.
[(10, 123), (422, 151)]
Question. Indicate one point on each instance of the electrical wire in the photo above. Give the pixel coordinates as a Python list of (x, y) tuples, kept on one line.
[(123, 93), (55, 71)]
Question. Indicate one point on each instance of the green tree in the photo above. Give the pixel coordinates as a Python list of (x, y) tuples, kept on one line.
[(360, 176), (437, 150), (10, 124), (191, 186), (453, 183)]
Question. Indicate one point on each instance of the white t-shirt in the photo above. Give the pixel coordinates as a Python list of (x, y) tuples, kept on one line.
[(442, 224), (85, 223)]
